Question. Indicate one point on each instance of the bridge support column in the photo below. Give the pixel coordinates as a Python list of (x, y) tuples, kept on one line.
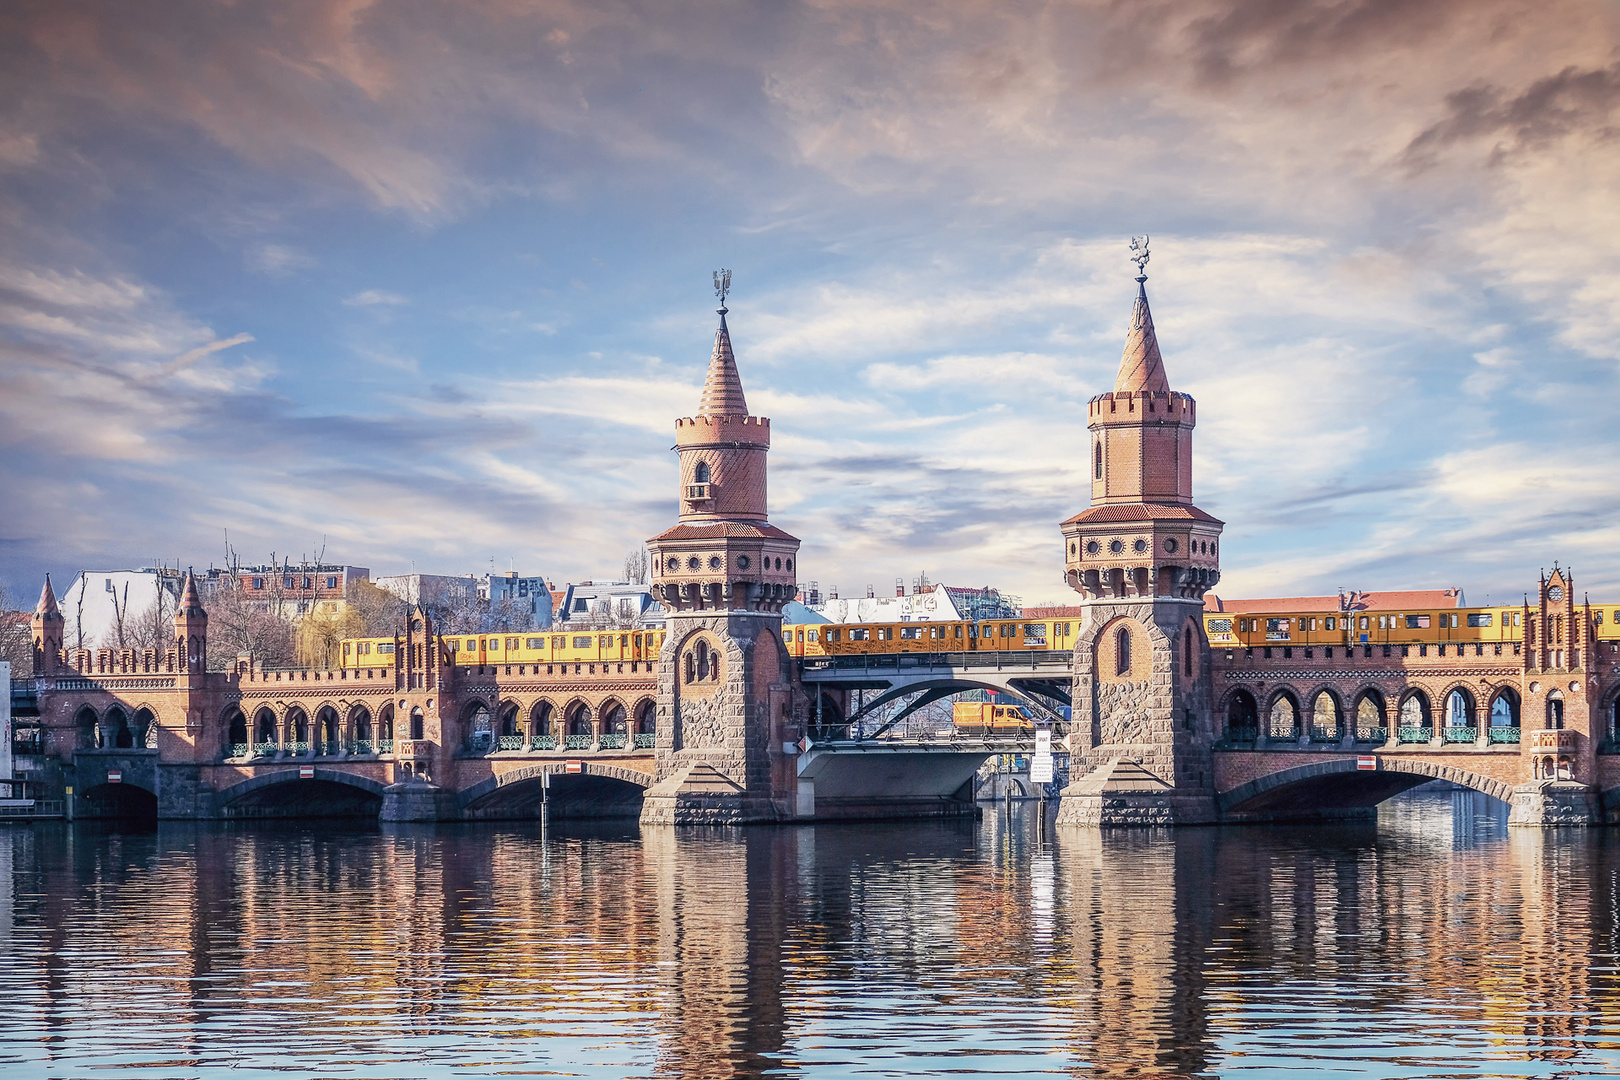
[(1552, 803), (413, 800)]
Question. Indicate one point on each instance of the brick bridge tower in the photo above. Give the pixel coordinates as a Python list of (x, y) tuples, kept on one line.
[(46, 628), (723, 573), (1142, 558)]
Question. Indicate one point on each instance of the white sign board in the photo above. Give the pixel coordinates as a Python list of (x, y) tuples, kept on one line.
[(1043, 742), (1040, 769)]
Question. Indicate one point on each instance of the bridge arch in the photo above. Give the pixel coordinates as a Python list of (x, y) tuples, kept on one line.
[(122, 801), (1340, 784), (1242, 715), (1283, 714), (285, 794), (603, 791)]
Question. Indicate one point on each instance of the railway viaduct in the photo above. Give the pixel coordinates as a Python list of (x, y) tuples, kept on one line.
[(722, 728)]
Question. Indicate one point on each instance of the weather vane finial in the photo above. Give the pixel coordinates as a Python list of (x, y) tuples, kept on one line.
[(722, 285), (1139, 256)]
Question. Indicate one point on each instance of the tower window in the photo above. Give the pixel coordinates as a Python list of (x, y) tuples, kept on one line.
[(1096, 467), (700, 475), (1122, 651)]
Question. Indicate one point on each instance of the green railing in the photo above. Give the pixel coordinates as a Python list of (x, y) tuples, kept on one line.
[(265, 749), (613, 740), (240, 749), (1414, 734), (579, 742), (1277, 731), (511, 742), (1242, 734), (385, 746), (1372, 734), (543, 742), (646, 740), (362, 746), (1461, 734), (1324, 734), (298, 749), (1503, 734)]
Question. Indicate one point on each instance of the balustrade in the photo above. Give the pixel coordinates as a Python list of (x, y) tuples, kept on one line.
[(1372, 734), (1461, 734), (240, 750), (543, 742), (510, 742), (1504, 734), (579, 742), (612, 741), (646, 740), (362, 746), (1414, 734)]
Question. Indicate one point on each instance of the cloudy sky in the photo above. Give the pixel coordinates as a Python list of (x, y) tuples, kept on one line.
[(429, 283)]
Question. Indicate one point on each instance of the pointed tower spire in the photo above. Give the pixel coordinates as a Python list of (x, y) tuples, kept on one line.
[(722, 390), (1141, 369), (190, 601), (47, 600)]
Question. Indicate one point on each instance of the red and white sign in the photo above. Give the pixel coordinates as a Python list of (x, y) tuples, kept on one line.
[(306, 772), (1367, 761), (115, 776), (574, 766)]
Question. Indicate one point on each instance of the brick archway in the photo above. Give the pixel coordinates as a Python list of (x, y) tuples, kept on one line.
[(1397, 774)]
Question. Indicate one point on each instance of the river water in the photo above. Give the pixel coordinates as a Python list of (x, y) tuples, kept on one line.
[(1438, 944)]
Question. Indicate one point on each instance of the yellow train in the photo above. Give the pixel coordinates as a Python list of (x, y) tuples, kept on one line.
[(1482, 625), (529, 647)]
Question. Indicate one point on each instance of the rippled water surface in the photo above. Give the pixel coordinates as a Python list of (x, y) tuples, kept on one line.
[(1437, 945)]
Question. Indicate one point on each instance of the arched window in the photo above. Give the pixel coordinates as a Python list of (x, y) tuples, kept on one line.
[(1186, 652), (1242, 717), (418, 725), (1284, 718), (614, 719), (1122, 651), (1505, 709), (1325, 718), (646, 718), (540, 719), (1415, 712), (1370, 718), (1555, 711), (385, 723), (236, 733), (116, 729), (1096, 466), (700, 475), (265, 725)]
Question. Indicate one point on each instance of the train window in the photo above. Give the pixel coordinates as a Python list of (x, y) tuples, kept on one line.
[(494, 644), (534, 643), (511, 643), (1597, 617), (910, 633), (973, 632), (1417, 622), (454, 644), (1331, 623), (834, 634), (345, 648), (385, 647), (812, 635), (582, 643), (472, 644), (624, 641), (1220, 626), (1364, 622), (1482, 619), (605, 641)]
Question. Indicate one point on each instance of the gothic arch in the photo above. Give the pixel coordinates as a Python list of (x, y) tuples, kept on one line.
[(541, 717), (615, 717), (645, 716), (1332, 718), (235, 725), (87, 728), (1508, 698), (1415, 709), (1241, 713), (1470, 705), (1283, 716)]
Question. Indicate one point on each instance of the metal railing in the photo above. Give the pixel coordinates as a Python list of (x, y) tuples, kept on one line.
[(543, 742), (1414, 734), (578, 742), (241, 749), (1372, 734), (362, 746), (510, 742), (612, 740), (1461, 734), (298, 748), (1503, 734), (1281, 732), (646, 740), (1242, 734), (1324, 734), (265, 749), (1001, 661), (39, 808), (385, 746)]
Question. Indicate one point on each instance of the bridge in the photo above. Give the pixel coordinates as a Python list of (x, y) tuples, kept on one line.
[(1170, 717)]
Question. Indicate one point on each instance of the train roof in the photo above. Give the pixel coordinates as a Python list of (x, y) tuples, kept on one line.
[(1355, 601)]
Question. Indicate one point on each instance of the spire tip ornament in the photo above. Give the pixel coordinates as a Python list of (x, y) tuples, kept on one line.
[(722, 285), (1139, 256)]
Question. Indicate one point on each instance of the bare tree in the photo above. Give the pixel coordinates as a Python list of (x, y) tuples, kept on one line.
[(238, 625), (636, 564), (375, 612), (16, 635)]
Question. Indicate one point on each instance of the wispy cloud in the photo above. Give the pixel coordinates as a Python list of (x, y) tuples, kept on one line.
[(375, 298)]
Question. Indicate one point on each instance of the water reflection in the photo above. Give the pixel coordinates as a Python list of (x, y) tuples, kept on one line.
[(1435, 943)]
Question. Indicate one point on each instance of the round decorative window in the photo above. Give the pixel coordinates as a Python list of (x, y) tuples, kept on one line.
[(1140, 545), (674, 563), (693, 563), (790, 564), (1170, 545), (779, 564), (1555, 594), (1092, 547), (714, 562), (742, 562), (1116, 546)]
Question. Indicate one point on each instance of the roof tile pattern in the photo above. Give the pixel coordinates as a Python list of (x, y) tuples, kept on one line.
[(722, 390), (1141, 369)]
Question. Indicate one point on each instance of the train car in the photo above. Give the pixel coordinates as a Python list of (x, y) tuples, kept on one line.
[(526, 648), (1249, 630), (857, 639)]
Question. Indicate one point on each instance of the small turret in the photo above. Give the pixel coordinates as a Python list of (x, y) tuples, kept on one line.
[(191, 628), (46, 626)]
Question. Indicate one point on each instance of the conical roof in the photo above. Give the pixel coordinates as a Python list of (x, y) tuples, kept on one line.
[(190, 601), (47, 600), (1141, 368), (722, 390)]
